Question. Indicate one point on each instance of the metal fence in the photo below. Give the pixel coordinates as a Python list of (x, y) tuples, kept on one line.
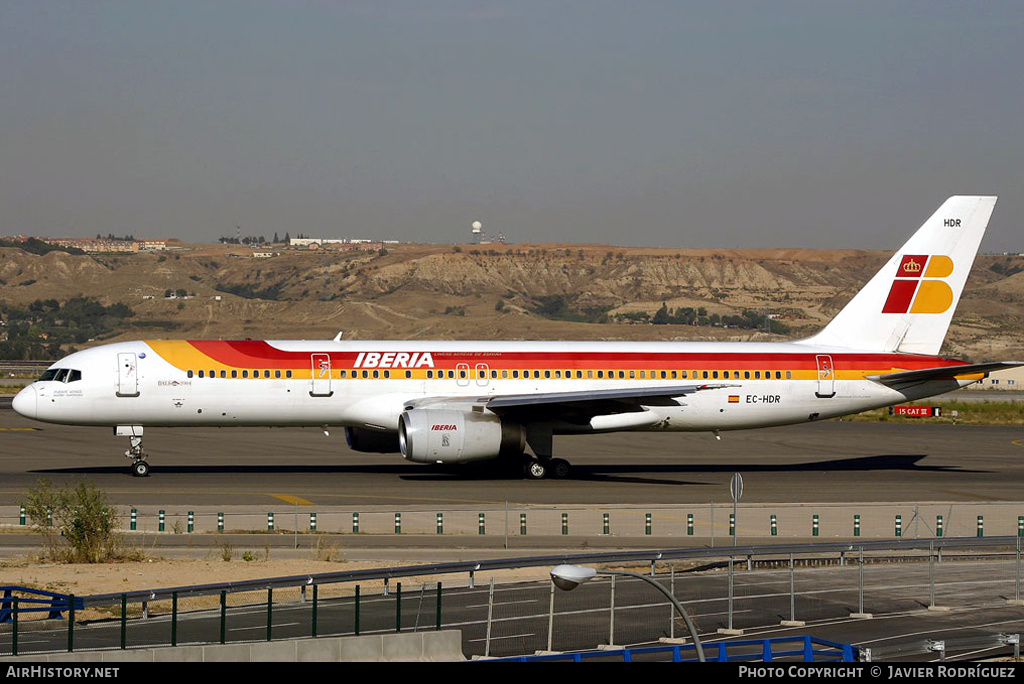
[(725, 590)]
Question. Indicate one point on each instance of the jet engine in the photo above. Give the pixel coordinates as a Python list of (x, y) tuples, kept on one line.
[(452, 436), (372, 441)]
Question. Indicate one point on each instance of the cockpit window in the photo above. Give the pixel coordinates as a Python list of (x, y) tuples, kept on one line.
[(60, 375)]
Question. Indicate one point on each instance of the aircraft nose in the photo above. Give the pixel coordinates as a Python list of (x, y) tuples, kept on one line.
[(25, 402)]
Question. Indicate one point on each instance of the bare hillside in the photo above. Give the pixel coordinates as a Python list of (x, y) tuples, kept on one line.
[(496, 291)]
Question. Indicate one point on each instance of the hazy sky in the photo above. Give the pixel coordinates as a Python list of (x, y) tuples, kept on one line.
[(711, 124)]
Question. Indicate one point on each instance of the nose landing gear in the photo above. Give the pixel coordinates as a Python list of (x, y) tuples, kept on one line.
[(139, 467)]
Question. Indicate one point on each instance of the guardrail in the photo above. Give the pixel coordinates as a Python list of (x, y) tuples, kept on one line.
[(339, 603), (808, 649)]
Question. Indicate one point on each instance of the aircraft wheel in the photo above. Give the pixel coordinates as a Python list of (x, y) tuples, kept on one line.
[(535, 470), (140, 469), (559, 468)]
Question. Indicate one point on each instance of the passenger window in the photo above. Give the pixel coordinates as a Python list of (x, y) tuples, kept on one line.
[(277, 374), (408, 374), (202, 374), (515, 374), (223, 374), (189, 374), (288, 374), (234, 374)]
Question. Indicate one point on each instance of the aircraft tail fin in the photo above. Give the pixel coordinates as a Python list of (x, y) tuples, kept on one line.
[(908, 305)]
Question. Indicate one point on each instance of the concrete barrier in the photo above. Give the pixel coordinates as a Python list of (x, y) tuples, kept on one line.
[(441, 646)]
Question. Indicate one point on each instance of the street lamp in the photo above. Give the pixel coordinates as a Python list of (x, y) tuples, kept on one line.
[(568, 577)]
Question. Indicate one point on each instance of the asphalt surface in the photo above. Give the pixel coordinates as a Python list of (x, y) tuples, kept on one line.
[(831, 461)]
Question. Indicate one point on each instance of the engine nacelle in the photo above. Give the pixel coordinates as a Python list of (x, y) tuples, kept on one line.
[(451, 436), (372, 441)]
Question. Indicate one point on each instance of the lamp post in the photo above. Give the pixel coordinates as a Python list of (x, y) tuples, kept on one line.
[(568, 577)]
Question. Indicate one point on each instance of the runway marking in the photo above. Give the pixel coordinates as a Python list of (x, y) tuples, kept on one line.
[(973, 495), (289, 498), (28, 429), (1017, 442)]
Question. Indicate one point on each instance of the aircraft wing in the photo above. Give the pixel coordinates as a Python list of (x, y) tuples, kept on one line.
[(943, 373), (575, 407)]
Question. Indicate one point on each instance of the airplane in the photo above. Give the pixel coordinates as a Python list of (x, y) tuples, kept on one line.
[(453, 402)]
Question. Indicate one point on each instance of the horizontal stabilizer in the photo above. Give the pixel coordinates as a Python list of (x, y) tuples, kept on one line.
[(943, 373)]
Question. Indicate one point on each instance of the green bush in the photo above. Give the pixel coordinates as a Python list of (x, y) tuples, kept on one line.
[(78, 524)]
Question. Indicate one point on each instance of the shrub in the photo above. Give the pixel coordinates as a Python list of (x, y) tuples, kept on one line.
[(83, 523)]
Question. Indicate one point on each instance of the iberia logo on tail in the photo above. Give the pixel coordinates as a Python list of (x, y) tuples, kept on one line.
[(919, 286)]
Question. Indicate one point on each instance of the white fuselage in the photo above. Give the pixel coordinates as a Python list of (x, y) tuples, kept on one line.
[(368, 384)]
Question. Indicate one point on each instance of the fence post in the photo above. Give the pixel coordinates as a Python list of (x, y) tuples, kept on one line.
[(437, 621), (71, 623), (398, 607), (270, 612), (124, 621), (356, 613), (316, 606), (174, 618), (14, 627), (223, 616)]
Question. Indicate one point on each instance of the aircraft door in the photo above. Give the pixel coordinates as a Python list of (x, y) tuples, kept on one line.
[(826, 377), (320, 385), (127, 375), (462, 374)]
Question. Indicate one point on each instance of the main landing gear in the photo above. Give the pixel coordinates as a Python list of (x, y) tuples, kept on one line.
[(139, 467), (543, 464), (541, 468)]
